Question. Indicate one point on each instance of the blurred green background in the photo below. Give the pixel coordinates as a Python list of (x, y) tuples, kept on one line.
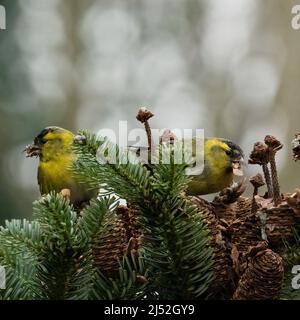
[(231, 67)]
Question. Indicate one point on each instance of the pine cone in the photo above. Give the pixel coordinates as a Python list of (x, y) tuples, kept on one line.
[(241, 208), (243, 224), (122, 236), (234, 229), (280, 221), (263, 277), (223, 283), (245, 233)]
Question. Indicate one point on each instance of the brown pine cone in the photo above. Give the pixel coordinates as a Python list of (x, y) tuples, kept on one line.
[(223, 283), (280, 220), (122, 236), (263, 277)]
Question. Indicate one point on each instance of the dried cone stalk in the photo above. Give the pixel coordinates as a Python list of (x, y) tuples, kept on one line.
[(143, 116), (296, 147), (263, 277), (260, 155), (122, 237), (274, 145), (257, 182)]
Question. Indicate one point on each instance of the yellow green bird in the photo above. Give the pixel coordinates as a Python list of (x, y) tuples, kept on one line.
[(53, 147), (223, 159)]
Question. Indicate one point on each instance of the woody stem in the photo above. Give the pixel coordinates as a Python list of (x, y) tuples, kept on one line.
[(268, 180), (275, 183), (149, 138)]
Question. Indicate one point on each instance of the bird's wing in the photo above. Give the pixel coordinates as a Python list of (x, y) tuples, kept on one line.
[(42, 181)]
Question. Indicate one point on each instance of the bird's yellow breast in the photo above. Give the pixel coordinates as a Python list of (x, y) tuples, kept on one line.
[(216, 174), (55, 174)]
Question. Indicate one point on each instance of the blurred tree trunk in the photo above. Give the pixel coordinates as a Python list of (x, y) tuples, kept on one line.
[(72, 11)]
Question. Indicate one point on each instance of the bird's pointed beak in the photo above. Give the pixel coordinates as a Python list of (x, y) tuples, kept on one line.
[(237, 167), (32, 150)]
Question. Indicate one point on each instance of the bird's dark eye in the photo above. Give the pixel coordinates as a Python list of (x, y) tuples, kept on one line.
[(229, 152)]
